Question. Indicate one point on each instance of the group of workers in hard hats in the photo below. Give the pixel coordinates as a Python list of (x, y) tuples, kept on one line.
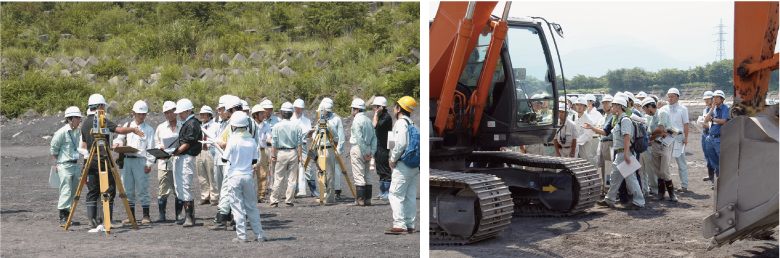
[(227, 151), (605, 140)]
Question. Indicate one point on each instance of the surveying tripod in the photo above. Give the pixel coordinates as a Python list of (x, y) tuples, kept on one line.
[(101, 133), (318, 149)]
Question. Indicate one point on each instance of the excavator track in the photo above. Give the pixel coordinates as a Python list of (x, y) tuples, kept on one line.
[(588, 181), (494, 201)]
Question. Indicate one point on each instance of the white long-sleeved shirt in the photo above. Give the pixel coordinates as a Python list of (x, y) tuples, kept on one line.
[(138, 142), (584, 135), (164, 130), (305, 123), (594, 115), (210, 129)]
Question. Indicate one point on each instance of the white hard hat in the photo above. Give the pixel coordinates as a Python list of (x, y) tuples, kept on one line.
[(239, 119), (619, 95), (96, 99), (673, 90), (719, 93), (647, 101), (326, 106), (72, 111), (267, 104), (380, 101), (563, 108), (287, 107), (168, 105), (299, 103), (358, 103), (607, 98), (206, 110), (328, 100), (222, 101), (244, 105), (630, 96), (183, 105), (232, 102), (641, 94), (140, 107), (544, 95), (582, 101), (590, 97), (573, 100), (257, 108), (561, 99), (536, 96), (620, 101), (707, 95)]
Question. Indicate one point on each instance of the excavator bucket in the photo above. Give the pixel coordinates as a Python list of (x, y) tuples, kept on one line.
[(746, 191)]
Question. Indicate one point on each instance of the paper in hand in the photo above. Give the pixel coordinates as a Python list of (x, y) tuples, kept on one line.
[(626, 169), (54, 179)]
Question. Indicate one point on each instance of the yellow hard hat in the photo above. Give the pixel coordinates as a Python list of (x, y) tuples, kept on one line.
[(407, 103)]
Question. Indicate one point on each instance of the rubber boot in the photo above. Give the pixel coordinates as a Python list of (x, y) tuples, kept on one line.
[(219, 224), (661, 191), (132, 211), (367, 195), (63, 217), (92, 215), (179, 218), (111, 217), (359, 190), (387, 190), (189, 214), (670, 188), (313, 188), (710, 174), (338, 195), (161, 203), (146, 218)]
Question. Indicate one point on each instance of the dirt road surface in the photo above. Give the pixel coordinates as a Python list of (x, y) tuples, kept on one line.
[(662, 229), (29, 218)]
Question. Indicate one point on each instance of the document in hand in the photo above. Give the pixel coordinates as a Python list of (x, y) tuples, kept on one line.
[(626, 169), (679, 148), (54, 179), (167, 142)]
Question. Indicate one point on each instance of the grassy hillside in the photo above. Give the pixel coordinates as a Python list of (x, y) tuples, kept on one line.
[(158, 51)]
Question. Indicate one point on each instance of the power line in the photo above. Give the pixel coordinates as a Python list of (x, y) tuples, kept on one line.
[(721, 53)]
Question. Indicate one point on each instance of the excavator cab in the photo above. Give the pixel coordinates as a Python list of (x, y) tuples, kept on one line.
[(493, 84)]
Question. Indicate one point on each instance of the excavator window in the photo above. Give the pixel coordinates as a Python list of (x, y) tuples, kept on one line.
[(534, 89), (476, 61)]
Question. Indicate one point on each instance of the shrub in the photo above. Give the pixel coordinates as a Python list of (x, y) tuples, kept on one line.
[(403, 84), (110, 69), (38, 91)]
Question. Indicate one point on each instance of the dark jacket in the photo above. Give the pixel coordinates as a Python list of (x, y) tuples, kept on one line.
[(384, 124), (190, 133)]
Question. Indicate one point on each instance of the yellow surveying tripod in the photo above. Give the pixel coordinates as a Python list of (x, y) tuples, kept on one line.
[(317, 149), (101, 133)]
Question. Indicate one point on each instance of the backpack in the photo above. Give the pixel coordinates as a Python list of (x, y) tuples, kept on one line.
[(641, 141), (411, 156)]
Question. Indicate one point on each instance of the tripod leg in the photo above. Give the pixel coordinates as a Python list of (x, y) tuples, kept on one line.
[(103, 175), (343, 170), (121, 189), (80, 187)]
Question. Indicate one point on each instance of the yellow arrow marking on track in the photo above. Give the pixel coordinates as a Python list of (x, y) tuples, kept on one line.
[(550, 189)]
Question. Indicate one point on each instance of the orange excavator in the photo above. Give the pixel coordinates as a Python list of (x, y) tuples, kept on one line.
[(493, 84), (746, 192)]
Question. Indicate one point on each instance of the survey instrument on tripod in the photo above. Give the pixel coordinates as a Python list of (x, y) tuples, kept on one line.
[(317, 150)]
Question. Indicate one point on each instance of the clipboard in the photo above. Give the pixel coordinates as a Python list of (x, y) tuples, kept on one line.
[(125, 149), (158, 153)]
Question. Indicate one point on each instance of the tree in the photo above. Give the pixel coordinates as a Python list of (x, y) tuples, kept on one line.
[(328, 19)]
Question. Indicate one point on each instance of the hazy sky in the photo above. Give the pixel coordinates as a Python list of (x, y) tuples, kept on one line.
[(686, 31)]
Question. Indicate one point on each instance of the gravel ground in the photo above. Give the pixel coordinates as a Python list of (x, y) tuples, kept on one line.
[(662, 229), (30, 224)]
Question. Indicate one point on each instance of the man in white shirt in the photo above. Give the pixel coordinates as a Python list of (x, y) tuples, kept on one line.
[(166, 130), (679, 116), (262, 170), (304, 174), (204, 162), (241, 152), (566, 138), (135, 175), (585, 137)]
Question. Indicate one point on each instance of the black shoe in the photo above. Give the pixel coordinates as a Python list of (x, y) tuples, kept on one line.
[(219, 222), (338, 196), (63, 217), (606, 203)]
